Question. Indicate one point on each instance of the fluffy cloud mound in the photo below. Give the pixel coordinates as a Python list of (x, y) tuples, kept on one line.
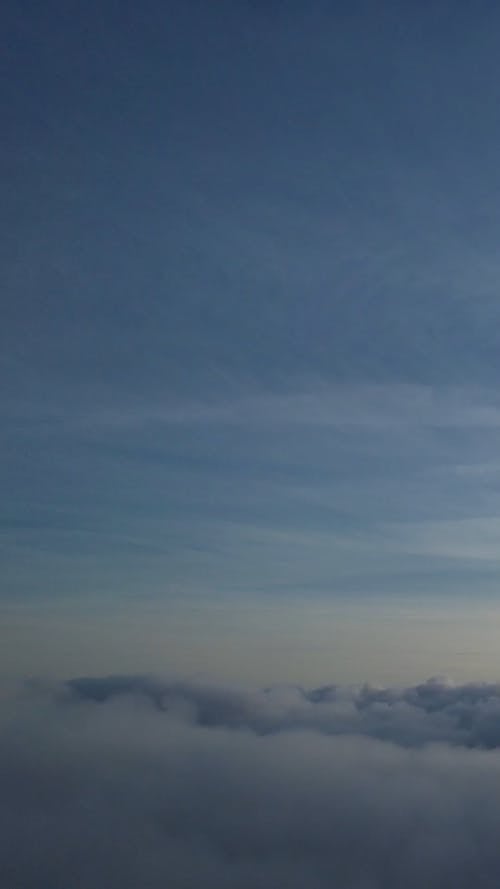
[(126, 782)]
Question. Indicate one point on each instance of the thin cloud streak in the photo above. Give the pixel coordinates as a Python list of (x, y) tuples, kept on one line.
[(377, 406)]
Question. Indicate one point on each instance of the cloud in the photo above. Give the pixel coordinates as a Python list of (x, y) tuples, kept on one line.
[(434, 711), (470, 538), (130, 781), (314, 402)]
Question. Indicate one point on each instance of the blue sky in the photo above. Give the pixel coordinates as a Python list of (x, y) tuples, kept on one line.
[(251, 318)]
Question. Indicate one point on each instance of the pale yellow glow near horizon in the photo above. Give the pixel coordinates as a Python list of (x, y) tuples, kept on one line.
[(386, 641)]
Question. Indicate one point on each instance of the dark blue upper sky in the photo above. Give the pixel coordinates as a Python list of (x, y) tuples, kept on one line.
[(250, 295), (198, 192)]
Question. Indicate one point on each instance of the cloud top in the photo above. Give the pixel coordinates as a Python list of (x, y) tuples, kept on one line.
[(132, 781), (433, 711)]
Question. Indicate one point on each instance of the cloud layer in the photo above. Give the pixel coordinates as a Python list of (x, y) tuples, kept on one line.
[(127, 781)]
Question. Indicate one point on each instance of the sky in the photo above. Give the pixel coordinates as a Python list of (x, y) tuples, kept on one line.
[(249, 444), (250, 339)]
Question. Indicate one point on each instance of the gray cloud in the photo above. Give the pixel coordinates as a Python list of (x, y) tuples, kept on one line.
[(128, 781), (434, 711)]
